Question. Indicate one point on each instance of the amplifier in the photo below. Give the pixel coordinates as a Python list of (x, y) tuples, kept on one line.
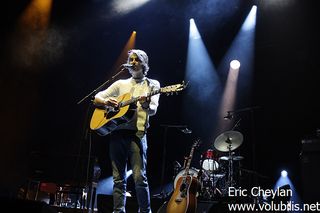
[(310, 174)]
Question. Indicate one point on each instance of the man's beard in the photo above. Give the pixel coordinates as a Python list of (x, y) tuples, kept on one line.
[(137, 74)]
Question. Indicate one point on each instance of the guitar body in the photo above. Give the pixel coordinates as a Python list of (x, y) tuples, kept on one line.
[(104, 121), (183, 199)]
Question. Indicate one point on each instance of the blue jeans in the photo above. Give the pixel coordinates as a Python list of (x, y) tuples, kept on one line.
[(129, 145)]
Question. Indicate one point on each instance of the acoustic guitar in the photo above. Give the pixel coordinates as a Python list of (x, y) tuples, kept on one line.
[(184, 197), (106, 119)]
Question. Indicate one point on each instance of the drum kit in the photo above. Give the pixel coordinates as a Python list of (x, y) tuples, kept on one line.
[(217, 174)]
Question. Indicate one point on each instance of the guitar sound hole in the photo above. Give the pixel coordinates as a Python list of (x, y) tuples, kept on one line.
[(110, 114)]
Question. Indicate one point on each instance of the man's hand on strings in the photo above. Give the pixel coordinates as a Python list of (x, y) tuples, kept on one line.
[(144, 101), (112, 102)]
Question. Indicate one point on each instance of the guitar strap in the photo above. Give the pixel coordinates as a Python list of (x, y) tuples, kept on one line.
[(132, 90), (151, 85)]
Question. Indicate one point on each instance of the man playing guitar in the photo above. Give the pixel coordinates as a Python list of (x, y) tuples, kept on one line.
[(128, 141)]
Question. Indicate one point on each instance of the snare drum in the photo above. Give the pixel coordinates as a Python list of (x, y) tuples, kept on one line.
[(209, 164), (192, 171)]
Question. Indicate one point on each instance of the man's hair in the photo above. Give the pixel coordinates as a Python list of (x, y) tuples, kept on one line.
[(143, 57)]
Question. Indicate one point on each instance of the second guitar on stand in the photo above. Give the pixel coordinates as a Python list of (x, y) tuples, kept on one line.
[(184, 197)]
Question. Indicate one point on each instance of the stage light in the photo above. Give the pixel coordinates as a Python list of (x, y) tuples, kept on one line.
[(37, 15), (194, 33), (234, 64), (251, 19), (284, 173), (284, 183)]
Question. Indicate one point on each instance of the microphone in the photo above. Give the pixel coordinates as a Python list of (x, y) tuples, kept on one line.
[(186, 131), (127, 65), (229, 116)]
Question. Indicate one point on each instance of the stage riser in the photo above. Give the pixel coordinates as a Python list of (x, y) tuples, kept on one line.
[(105, 205)]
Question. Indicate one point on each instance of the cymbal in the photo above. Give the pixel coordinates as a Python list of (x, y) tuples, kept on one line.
[(228, 141), (232, 158)]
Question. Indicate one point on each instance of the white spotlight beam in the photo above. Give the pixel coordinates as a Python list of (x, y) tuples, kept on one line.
[(122, 7)]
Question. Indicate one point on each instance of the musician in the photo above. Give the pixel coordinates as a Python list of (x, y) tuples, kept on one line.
[(128, 142)]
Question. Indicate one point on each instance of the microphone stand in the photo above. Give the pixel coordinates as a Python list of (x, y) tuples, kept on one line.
[(163, 194), (101, 86), (236, 124), (243, 110), (87, 132)]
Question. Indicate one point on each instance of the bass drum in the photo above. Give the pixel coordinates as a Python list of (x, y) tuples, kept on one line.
[(210, 165), (192, 171)]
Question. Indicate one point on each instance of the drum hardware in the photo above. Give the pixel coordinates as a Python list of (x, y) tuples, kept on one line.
[(206, 182), (219, 175), (206, 179), (227, 142), (209, 163), (209, 178), (236, 158), (230, 160), (211, 185), (252, 111)]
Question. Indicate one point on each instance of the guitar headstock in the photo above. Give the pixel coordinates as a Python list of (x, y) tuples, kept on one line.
[(169, 90), (196, 143)]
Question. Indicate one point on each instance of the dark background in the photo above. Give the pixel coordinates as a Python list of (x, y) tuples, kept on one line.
[(43, 127)]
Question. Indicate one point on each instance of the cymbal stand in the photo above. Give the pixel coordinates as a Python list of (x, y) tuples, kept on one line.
[(230, 166), (206, 178), (252, 110)]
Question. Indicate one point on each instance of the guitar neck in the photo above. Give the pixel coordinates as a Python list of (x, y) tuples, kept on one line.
[(135, 100), (190, 157), (189, 161)]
